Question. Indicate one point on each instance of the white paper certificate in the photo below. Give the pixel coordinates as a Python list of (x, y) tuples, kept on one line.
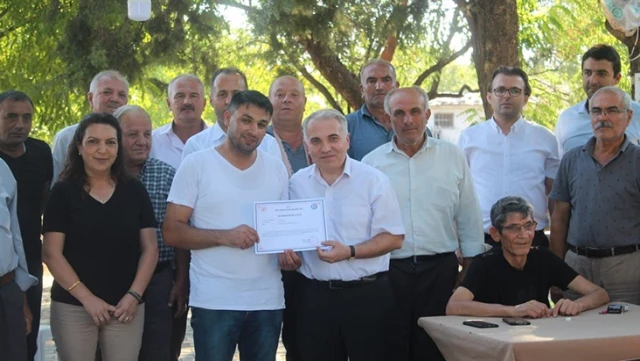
[(299, 225)]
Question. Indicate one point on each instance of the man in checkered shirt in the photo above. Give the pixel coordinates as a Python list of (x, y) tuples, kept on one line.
[(168, 288)]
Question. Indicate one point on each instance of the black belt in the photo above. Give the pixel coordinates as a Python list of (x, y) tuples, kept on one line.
[(6, 278), (339, 284), (604, 252), (423, 258), (161, 266)]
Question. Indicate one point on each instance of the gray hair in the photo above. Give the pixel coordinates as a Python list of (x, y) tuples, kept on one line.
[(626, 98), (120, 112), (107, 74), (378, 61), (417, 89), (325, 114), (501, 210), (173, 81)]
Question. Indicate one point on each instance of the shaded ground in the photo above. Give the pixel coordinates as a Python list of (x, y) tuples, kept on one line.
[(188, 353)]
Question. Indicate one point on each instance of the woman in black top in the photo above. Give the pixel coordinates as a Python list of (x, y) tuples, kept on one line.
[(100, 246)]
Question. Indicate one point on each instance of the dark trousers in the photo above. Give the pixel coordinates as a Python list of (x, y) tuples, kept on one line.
[(421, 287), (13, 343), (292, 281), (539, 240), (34, 299), (158, 318), (340, 324)]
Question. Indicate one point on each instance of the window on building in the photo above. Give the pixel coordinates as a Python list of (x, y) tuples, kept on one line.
[(444, 120)]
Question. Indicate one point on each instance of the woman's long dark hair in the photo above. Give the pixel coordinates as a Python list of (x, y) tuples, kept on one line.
[(74, 167)]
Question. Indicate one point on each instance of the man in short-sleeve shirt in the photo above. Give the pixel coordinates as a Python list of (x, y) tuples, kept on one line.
[(236, 296), (343, 304), (598, 199), (32, 166), (514, 280)]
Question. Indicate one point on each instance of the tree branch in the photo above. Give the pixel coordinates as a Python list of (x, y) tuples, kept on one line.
[(459, 94), (234, 4), (441, 64), (318, 85)]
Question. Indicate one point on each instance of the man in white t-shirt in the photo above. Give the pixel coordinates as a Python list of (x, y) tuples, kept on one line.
[(236, 296), (225, 83), (343, 303)]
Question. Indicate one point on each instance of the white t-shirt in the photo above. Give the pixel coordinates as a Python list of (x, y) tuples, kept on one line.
[(222, 196), (61, 143)]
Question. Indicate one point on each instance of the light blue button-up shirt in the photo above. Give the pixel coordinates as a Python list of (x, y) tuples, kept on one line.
[(12, 256), (437, 198)]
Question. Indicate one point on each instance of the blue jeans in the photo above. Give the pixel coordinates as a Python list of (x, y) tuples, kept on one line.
[(217, 332)]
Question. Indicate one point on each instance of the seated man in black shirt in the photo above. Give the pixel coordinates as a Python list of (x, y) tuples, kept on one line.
[(514, 280)]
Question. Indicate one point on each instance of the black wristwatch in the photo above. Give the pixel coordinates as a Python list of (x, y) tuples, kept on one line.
[(353, 253)]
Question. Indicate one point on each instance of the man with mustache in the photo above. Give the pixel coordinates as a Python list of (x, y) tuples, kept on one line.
[(32, 166), (156, 176), (440, 216), (185, 98), (108, 91), (236, 296), (594, 227), (224, 84), (600, 67), (509, 155)]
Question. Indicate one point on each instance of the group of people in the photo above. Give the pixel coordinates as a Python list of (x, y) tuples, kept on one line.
[(141, 224)]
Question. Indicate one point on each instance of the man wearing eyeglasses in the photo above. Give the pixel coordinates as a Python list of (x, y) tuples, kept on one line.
[(595, 225), (600, 67), (509, 155), (514, 280)]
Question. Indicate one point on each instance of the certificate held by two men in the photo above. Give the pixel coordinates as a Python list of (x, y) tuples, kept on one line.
[(299, 225)]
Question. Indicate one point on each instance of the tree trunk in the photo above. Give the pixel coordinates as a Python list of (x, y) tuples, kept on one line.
[(632, 48), (494, 34)]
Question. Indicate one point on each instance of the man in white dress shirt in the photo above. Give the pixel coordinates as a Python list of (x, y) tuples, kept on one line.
[(441, 214), (344, 303), (108, 91), (511, 156), (185, 98), (224, 84), (236, 296), (600, 67)]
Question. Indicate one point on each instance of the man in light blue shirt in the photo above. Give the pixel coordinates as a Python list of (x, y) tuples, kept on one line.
[(441, 213), (600, 68), (15, 316)]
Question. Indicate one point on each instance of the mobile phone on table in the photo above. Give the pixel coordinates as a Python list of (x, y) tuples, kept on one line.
[(516, 321), (479, 324)]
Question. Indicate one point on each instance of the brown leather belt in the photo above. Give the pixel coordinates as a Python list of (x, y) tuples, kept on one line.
[(6, 278)]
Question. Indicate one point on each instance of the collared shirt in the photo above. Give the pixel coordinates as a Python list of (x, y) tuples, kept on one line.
[(360, 204), (60, 150), (167, 146), (12, 257), (574, 129), (515, 164), (605, 200), (437, 198), (297, 158), (365, 133), (157, 176), (214, 136)]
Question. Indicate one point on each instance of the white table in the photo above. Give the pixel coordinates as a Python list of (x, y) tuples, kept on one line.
[(588, 336)]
